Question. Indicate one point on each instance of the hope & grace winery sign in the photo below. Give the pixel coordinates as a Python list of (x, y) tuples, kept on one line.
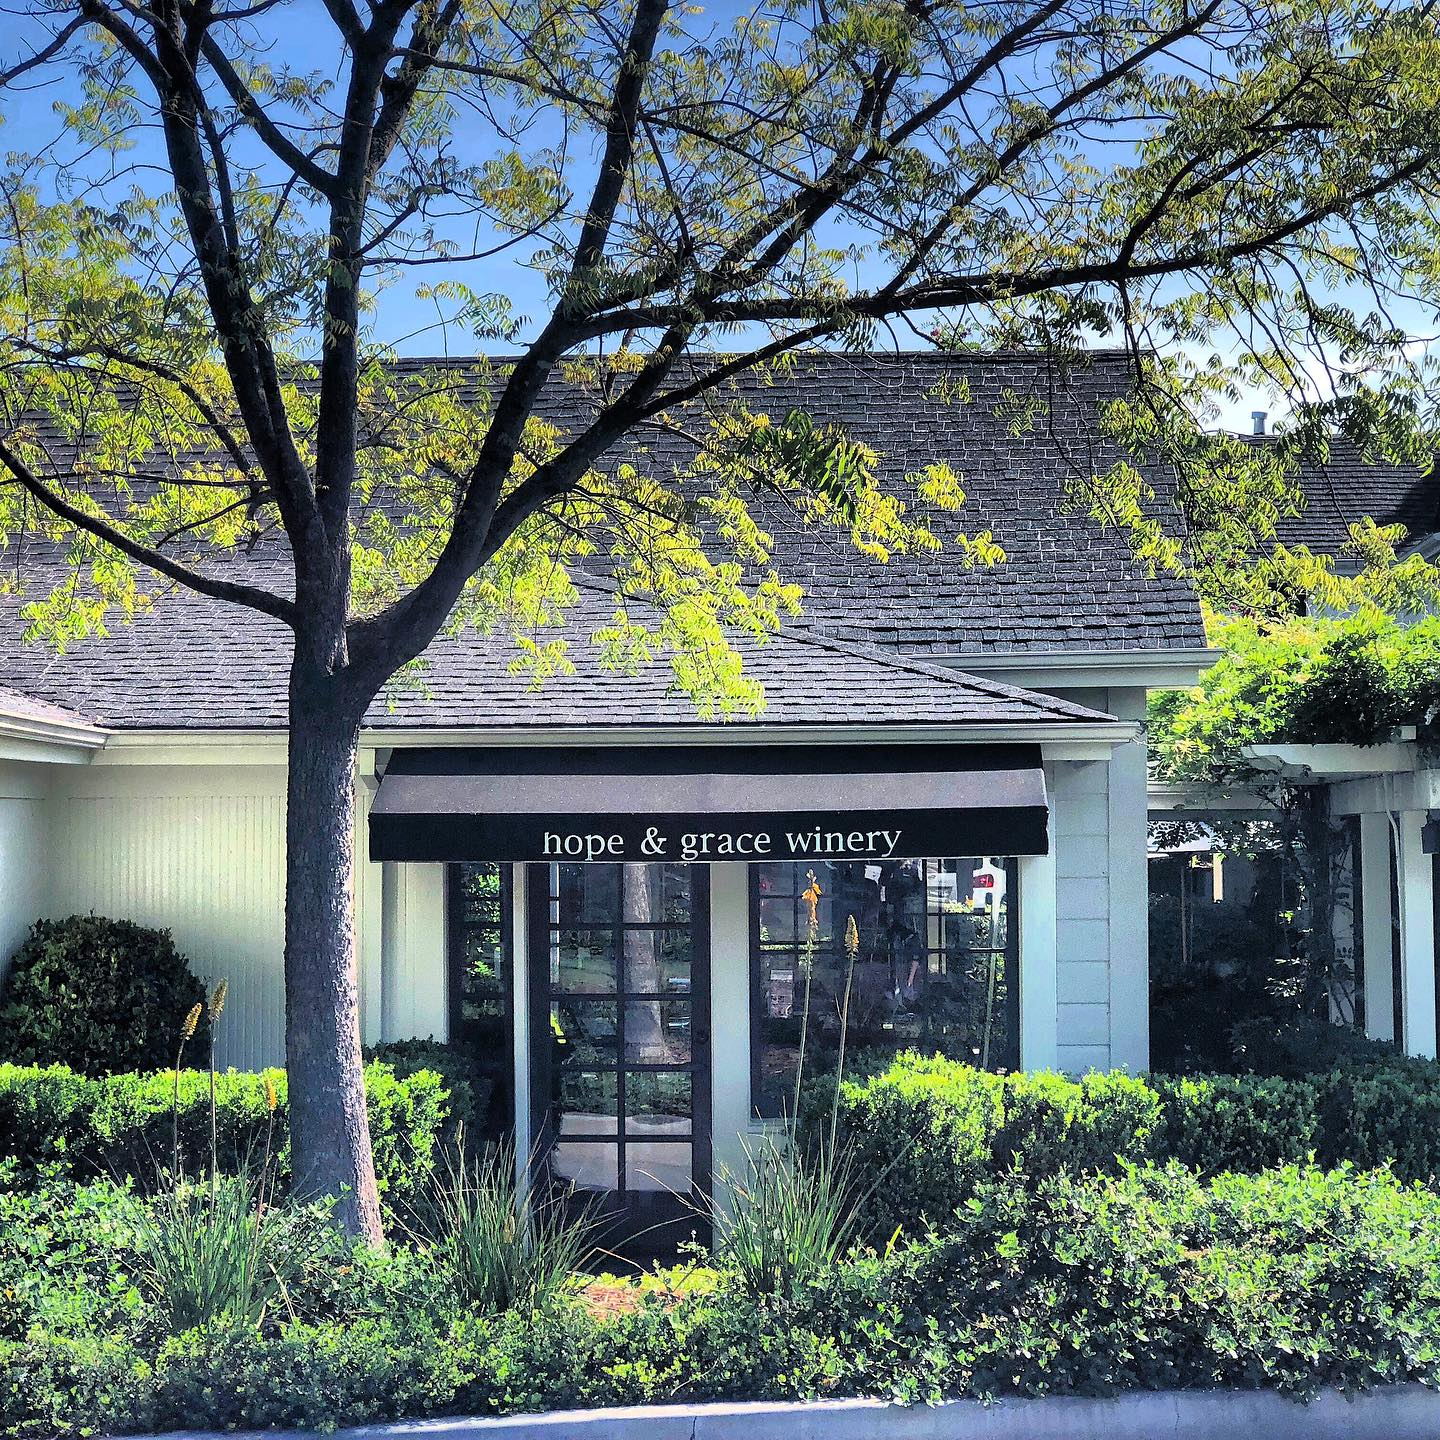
[(661, 842)]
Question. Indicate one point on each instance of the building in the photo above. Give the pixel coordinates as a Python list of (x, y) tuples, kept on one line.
[(1384, 798), (624, 897)]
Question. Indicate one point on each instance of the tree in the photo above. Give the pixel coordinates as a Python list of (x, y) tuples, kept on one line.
[(199, 266)]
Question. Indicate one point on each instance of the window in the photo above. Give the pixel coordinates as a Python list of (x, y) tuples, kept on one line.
[(480, 1002), (479, 951), (935, 966)]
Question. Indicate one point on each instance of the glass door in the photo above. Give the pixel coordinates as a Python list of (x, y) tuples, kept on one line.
[(620, 1044)]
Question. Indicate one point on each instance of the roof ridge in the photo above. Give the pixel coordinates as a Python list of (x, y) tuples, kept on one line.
[(1103, 352), (960, 678)]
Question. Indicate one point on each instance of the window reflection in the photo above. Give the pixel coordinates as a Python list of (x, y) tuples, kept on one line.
[(934, 965)]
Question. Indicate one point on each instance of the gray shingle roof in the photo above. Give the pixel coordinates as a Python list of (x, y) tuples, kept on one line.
[(18, 706), (197, 663), (1066, 584), (1348, 488)]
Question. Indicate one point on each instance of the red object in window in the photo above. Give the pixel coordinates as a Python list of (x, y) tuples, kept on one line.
[(983, 880)]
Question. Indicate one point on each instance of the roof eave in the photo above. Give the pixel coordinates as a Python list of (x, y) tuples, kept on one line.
[(1072, 740), (1151, 669)]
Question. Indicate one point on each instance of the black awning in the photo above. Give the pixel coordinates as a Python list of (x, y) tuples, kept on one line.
[(712, 802)]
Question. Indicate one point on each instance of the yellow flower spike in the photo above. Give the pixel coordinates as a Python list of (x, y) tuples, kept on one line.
[(271, 1099), (217, 1000), (191, 1021), (852, 937)]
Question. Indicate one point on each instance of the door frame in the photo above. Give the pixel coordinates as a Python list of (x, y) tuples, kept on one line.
[(536, 1058)]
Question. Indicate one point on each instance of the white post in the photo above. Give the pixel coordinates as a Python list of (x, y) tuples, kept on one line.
[(1039, 1014), (520, 1008), (730, 1099), (1129, 897), (369, 908), (1417, 937), (1375, 925)]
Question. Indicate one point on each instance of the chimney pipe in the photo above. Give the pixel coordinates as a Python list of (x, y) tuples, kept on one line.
[(1257, 419)]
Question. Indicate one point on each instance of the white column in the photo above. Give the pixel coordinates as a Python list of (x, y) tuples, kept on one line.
[(1038, 999), (729, 1016), (369, 909), (1417, 937), (1375, 925), (520, 1007), (1129, 910)]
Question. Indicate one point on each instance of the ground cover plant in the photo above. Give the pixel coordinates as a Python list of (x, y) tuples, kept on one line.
[(1296, 1279), (973, 1235)]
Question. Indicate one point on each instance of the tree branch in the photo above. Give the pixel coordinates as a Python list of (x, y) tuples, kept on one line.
[(102, 529)]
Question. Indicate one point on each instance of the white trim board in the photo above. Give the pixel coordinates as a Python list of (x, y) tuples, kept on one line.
[(1077, 740), (1072, 669)]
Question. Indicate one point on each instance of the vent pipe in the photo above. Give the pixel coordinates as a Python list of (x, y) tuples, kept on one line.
[(1257, 419)]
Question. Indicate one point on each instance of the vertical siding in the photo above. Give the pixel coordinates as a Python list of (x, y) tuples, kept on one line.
[(23, 837), (1082, 926), (204, 859), (415, 994)]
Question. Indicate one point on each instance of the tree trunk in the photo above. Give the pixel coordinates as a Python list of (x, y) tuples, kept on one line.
[(329, 1127)]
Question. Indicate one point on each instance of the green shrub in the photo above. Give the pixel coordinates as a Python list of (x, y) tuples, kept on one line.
[(458, 1065), (1382, 1115), (934, 1129), (1294, 1280), (100, 996), (1049, 1123), (1228, 1122), (123, 1125), (922, 1133), (67, 1257), (927, 1131)]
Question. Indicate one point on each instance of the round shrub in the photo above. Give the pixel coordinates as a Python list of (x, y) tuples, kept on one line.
[(98, 995)]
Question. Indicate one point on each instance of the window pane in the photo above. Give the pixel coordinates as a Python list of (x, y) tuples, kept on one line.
[(657, 1103), (651, 1166), (585, 894), (657, 961), (931, 965), (479, 887), (583, 960), (584, 1032), (657, 1032), (587, 1166), (588, 1102)]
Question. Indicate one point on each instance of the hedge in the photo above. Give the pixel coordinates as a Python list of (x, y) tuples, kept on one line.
[(1294, 1280), (927, 1131), (122, 1125)]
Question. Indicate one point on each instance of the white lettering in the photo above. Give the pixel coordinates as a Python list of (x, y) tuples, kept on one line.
[(892, 839)]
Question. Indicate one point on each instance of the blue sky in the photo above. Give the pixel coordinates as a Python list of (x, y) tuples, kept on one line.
[(402, 319)]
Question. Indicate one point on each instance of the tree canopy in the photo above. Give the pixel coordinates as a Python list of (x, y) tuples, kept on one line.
[(211, 256), (1354, 679)]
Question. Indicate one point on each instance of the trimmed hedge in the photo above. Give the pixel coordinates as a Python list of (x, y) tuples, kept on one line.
[(459, 1067), (928, 1131), (1294, 1280), (121, 1125)]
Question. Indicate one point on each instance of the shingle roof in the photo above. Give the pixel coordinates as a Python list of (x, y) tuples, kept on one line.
[(1066, 583), (1348, 488), (15, 705), (199, 664)]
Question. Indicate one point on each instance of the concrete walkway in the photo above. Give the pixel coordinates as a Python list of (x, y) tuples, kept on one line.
[(1401, 1412)]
